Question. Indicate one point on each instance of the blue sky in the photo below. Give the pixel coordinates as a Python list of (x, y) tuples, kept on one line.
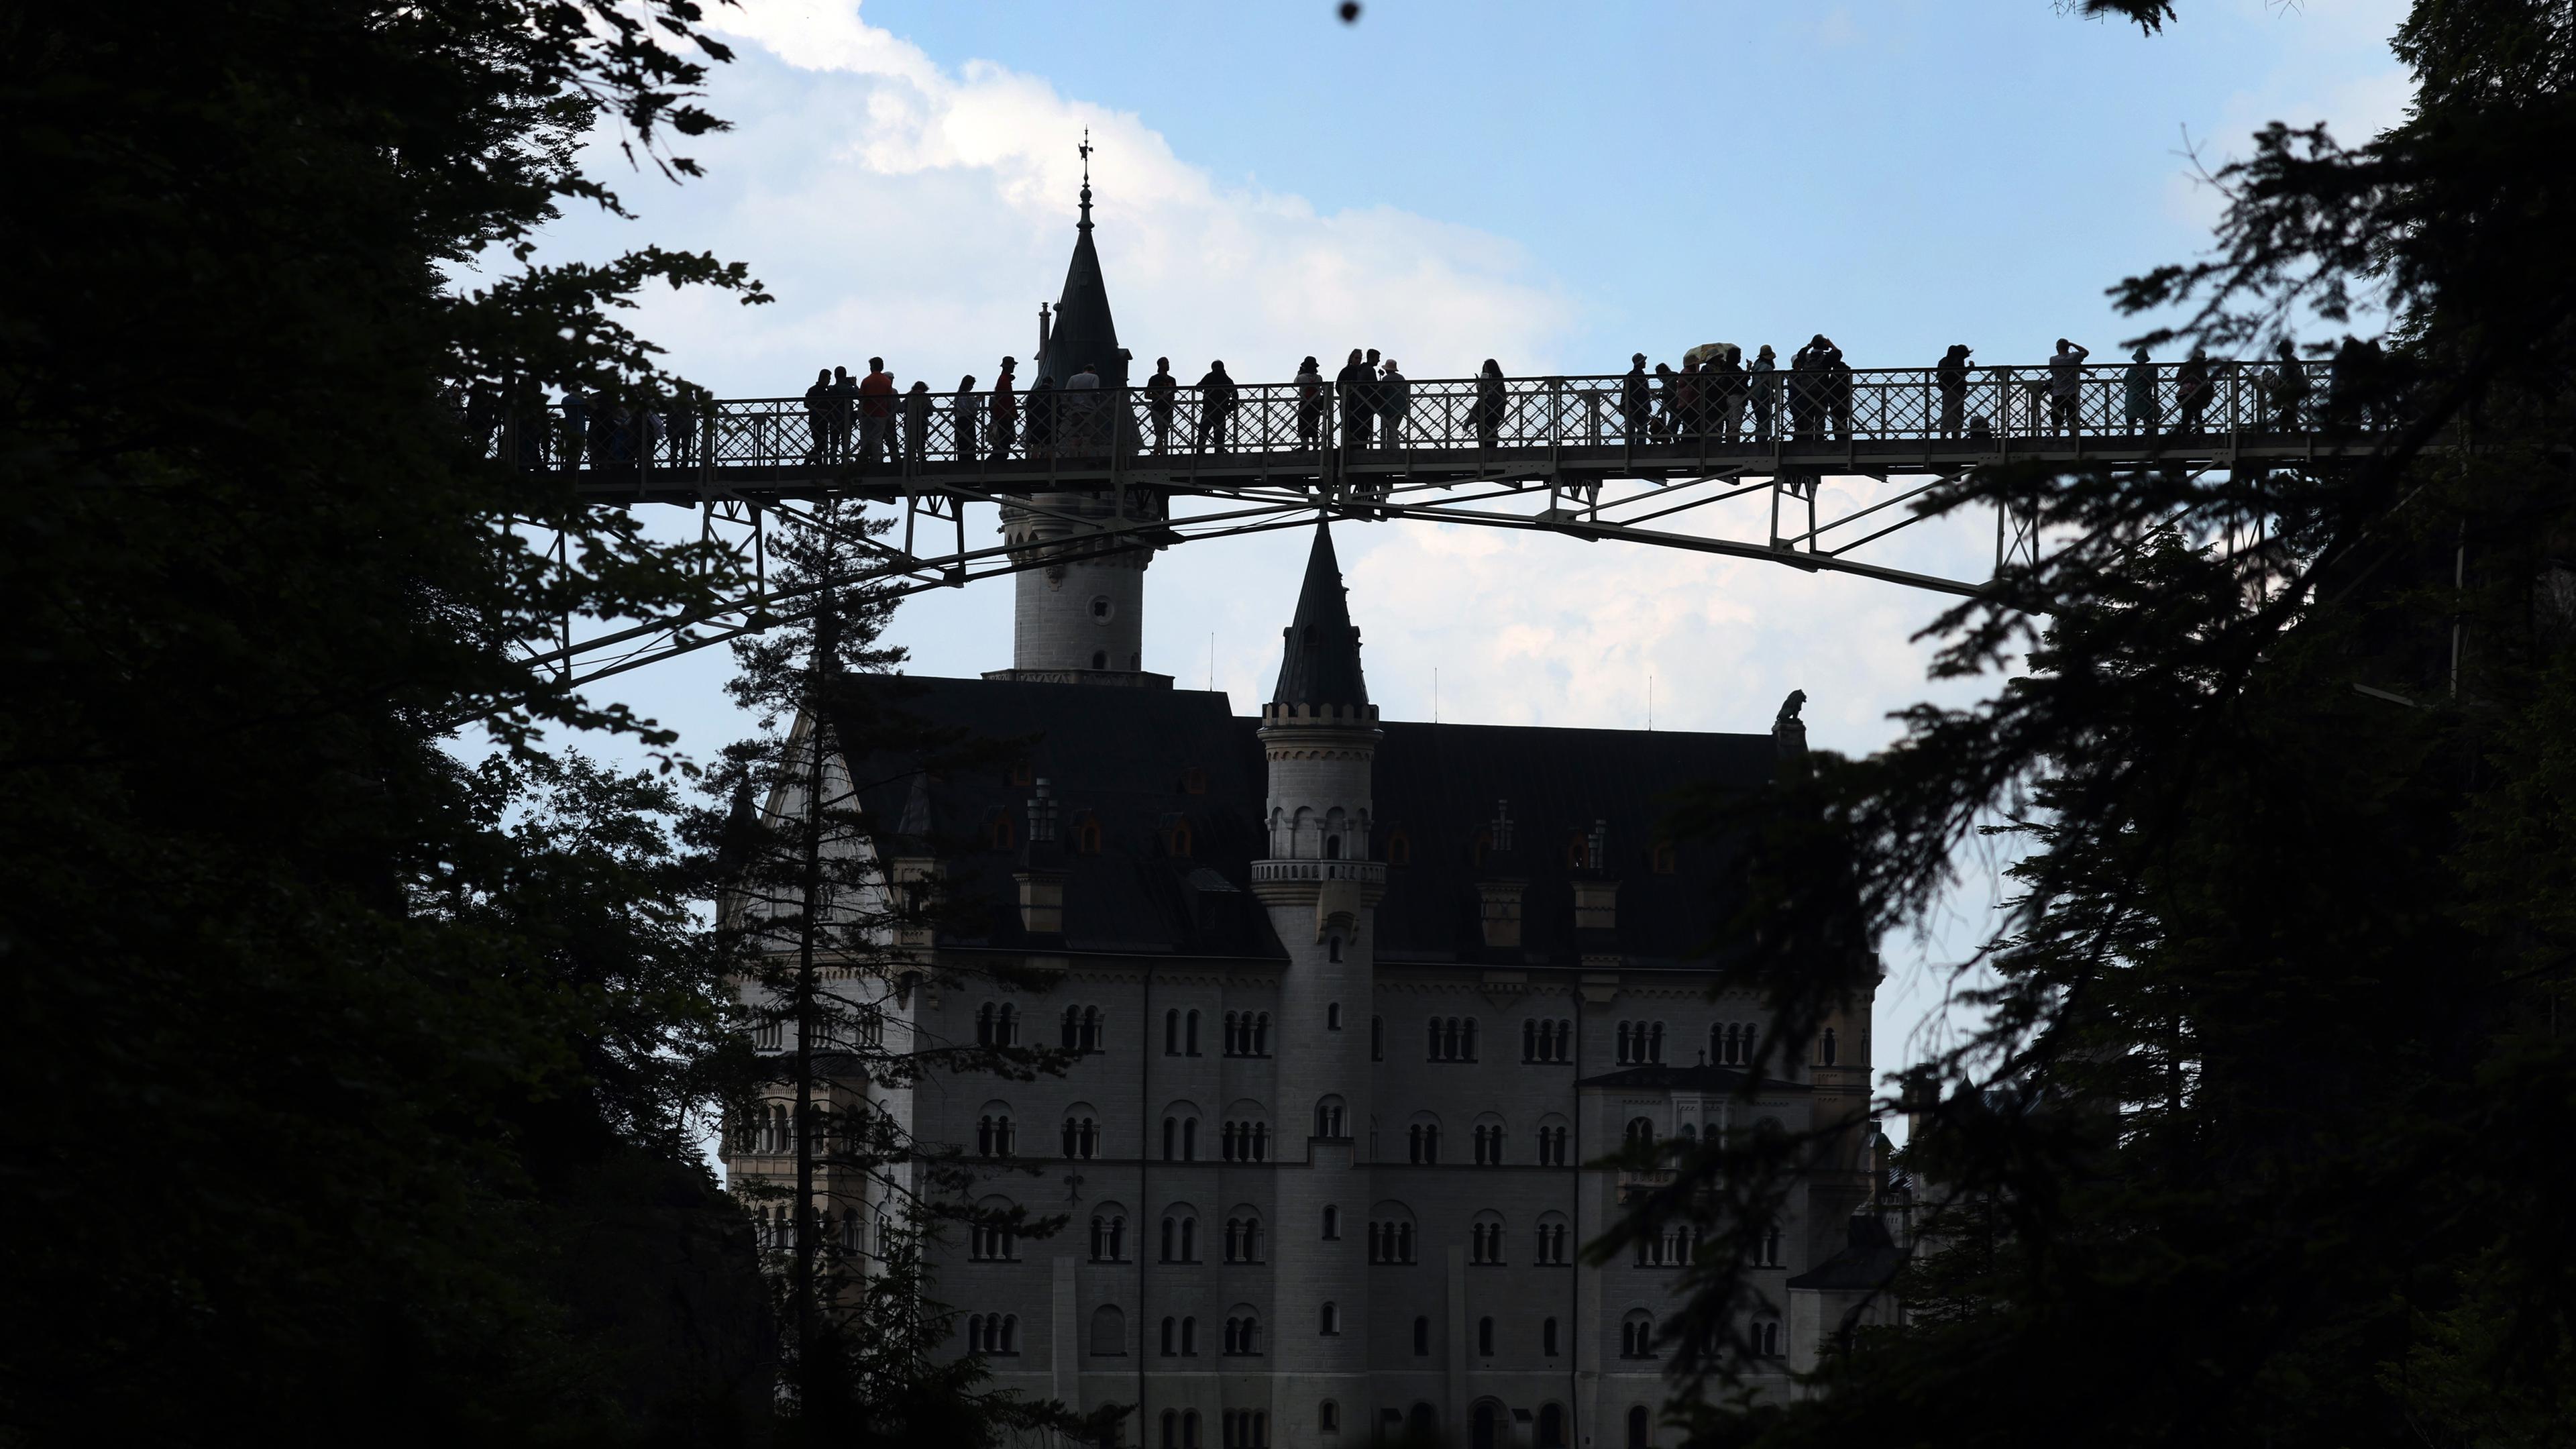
[(1553, 185)]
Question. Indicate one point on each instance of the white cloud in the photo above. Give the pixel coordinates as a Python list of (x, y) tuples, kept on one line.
[(903, 207)]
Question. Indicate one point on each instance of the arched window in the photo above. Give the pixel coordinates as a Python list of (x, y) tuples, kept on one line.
[(1332, 1016), (1090, 1029), (1547, 1338), (1171, 1338), (1766, 1336), (1171, 1425), (1485, 1337), (1108, 1332), (1328, 1417), (1189, 1337), (1081, 1135), (1399, 850), (1332, 847), (1432, 1051), (984, 1035), (1641, 1132), (1233, 1037), (1072, 1039), (1261, 1034), (1624, 1036), (1637, 1334), (993, 1131), (1171, 1137), (1332, 1223), (1553, 1234), (1190, 1034), (1770, 1249), (1655, 1042), (1172, 1033), (1529, 1039), (1551, 1423), (1330, 1119), (1189, 1139), (1826, 1050), (1243, 1335), (1640, 1432), (1332, 1322), (1449, 1041), (1421, 1337)]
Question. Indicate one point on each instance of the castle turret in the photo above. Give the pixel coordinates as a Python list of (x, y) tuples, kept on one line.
[(1321, 886), (1079, 616)]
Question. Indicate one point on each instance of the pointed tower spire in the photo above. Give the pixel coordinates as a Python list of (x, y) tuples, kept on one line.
[(1084, 333), (1085, 223), (1323, 655)]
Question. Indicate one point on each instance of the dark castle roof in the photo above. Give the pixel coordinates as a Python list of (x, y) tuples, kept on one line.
[(1163, 771), (1868, 1260), (1083, 330), (1322, 660)]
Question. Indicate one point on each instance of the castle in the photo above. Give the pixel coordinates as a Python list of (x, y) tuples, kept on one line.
[(1353, 1002)]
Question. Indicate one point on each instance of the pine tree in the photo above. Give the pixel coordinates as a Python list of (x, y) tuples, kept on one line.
[(821, 913)]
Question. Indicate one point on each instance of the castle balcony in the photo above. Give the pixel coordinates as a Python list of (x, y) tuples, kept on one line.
[(1633, 1185), (1283, 872)]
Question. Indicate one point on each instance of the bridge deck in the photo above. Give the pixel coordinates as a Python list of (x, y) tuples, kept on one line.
[(1567, 430), (1365, 471)]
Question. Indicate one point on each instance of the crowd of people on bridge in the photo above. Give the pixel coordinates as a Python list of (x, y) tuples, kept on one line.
[(1716, 397)]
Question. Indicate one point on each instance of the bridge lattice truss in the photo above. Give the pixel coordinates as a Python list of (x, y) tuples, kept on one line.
[(1112, 470)]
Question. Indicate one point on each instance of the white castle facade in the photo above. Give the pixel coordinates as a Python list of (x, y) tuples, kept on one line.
[(1354, 1001)]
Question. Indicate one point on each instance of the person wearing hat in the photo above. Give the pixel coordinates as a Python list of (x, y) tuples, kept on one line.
[(2138, 390), (1950, 380), (1636, 401)]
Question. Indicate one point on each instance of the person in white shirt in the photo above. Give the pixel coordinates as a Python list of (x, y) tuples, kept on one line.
[(2066, 386)]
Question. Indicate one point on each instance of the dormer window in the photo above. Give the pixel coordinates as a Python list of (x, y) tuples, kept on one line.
[(998, 832), (1667, 860), (1399, 849), (1086, 835), (1576, 855), (1177, 839), (1484, 842), (1022, 774)]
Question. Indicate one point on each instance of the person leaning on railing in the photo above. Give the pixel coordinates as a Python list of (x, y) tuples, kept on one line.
[(1725, 380), (1489, 404), (1394, 403)]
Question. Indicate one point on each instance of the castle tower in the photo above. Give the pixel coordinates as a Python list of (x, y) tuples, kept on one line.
[(1320, 884), (1078, 619)]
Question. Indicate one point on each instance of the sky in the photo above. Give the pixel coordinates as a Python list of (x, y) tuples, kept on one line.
[(1551, 185)]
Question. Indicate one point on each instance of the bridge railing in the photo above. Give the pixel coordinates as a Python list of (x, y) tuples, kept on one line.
[(1659, 415)]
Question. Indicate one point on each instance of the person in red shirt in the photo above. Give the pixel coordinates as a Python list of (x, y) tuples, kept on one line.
[(876, 412), (1006, 409)]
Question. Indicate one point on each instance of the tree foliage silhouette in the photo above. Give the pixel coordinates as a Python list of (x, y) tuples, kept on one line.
[(2251, 1140)]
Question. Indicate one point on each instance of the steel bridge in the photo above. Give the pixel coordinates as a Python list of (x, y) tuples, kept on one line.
[(1591, 457)]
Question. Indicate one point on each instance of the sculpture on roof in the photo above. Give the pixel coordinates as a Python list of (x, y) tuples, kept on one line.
[(1787, 730)]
